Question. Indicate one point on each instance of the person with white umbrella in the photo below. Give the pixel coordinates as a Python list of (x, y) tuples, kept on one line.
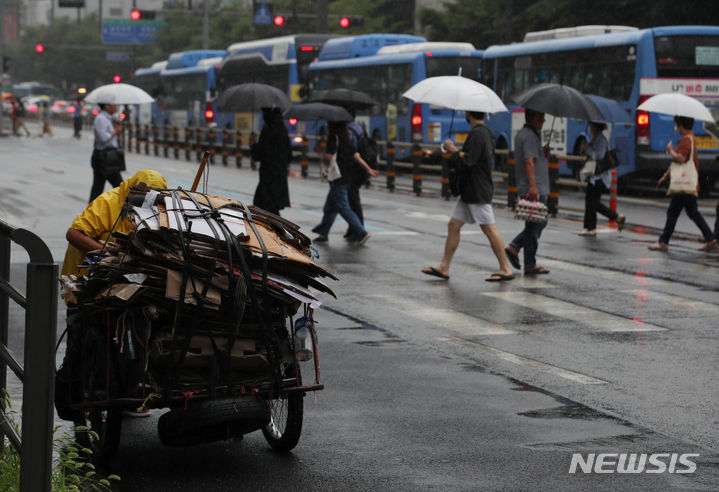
[(103, 169), (682, 198)]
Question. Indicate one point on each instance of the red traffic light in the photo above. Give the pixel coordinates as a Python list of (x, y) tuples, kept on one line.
[(39, 48), (279, 20), (344, 21), (135, 14), (116, 78)]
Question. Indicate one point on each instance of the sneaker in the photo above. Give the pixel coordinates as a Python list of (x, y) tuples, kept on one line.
[(137, 413), (361, 239), (320, 239)]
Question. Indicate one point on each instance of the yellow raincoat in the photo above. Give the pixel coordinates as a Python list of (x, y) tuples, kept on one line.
[(98, 218)]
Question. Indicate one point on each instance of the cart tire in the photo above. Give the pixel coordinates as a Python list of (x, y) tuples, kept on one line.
[(98, 429), (283, 431)]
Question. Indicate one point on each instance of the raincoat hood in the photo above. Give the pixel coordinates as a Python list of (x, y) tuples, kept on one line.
[(151, 178)]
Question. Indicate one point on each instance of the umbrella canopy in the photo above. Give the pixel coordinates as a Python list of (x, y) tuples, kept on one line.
[(118, 94), (455, 92), (612, 111), (559, 100), (318, 111), (251, 97), (346, 98), (676, 104)]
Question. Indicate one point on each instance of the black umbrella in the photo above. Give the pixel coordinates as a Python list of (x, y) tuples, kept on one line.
[(346, 98), (251, 97), (318, 111), (559, 100)]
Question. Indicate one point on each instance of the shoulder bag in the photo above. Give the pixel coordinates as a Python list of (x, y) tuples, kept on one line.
[(331, 170), (683, 178)]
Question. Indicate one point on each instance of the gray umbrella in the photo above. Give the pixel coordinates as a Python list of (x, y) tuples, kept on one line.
[(558, 100), (251, 97), (318, 111), (347, 98)]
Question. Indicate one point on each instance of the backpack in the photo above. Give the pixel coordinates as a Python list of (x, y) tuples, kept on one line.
[(367, 149)]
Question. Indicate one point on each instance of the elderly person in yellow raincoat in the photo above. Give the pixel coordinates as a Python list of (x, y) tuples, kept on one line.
[(92, 227)]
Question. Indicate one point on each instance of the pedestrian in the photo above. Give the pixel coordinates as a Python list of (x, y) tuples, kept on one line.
[(337, 201), (533, 183), (274, 153), (358, 176), (45, 114), (77, 118), (20, 118), (90, 231), (106, 133), (599, 183), (713, 243), (686, 151), (474, 204)]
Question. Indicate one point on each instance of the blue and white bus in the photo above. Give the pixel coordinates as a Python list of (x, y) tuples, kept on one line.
[(387, 73), (189, 84), (148, 79), (619, 70), (281, 62)]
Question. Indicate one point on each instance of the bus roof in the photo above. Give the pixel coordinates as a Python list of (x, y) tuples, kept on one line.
[(428, 46), (380, 59), (611, 39), (203, 68), (363, 45), (156, 68), (573, 32), (261, 45), (186, 59)]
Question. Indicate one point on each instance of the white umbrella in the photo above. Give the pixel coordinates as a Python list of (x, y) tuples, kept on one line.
[(118, 94), (456, 92), (676, 104)]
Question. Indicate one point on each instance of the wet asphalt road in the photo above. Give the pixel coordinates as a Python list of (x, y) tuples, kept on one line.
[(448, 385)]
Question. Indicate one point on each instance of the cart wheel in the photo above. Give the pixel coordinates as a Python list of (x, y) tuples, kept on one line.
[(283, 431), (102, 426)]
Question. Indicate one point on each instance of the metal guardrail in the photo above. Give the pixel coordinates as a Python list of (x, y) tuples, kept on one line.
[(38, 374), (226, 143)]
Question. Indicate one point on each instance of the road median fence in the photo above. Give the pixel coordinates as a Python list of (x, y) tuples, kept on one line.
[(226, 146)]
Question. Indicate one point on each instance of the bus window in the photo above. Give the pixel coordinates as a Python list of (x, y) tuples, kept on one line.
[(448, 65), (687, 56)]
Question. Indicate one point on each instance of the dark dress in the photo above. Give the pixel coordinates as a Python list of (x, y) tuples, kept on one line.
[(274, 153)]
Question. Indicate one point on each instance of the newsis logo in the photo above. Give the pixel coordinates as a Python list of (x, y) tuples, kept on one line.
[(633, 463)]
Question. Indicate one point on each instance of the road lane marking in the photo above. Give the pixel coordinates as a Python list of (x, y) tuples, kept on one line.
[(455, 321), (678, 303), (599, 272), (573, 312), (526, 361)]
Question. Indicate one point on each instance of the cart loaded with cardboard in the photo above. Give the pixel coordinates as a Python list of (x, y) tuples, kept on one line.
[(205, 308)]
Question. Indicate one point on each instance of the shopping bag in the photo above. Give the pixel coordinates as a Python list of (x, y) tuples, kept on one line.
[(530, 211), (590, 166), (683, 178), (333, 169)]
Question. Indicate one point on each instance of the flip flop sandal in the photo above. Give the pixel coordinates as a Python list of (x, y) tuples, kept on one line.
[(536, 271), (498, 277), (435, 273), (513, 258)]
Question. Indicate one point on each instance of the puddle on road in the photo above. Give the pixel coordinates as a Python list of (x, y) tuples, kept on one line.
[(575, 411)]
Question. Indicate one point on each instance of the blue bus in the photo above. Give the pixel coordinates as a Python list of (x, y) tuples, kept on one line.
[(619, 70), (281, 62), (148, 79), (189, 84), (386, 74)]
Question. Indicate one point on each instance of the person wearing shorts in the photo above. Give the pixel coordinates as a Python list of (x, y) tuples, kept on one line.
[(474, 205)]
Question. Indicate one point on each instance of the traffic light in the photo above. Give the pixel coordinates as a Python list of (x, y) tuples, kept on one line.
[(39, 48), (279, 20), (117, 79), (137, 14), (351, 21)]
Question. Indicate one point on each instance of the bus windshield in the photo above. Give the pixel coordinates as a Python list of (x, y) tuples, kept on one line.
[(449, 65), (150, 84), (383, 83), (254, 68), (180, 91), (687, 56)]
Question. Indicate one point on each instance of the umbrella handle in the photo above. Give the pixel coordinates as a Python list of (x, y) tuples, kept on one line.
[(203, 164)]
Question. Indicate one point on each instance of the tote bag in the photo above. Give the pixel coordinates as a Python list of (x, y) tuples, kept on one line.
[(683, 178), (331, 170)]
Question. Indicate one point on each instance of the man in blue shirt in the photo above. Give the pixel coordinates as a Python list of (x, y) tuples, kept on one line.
[(105, 139), (532, 182)]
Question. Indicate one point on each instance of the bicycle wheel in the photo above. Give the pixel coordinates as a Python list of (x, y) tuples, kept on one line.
[(286, 412), (98, 429)]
